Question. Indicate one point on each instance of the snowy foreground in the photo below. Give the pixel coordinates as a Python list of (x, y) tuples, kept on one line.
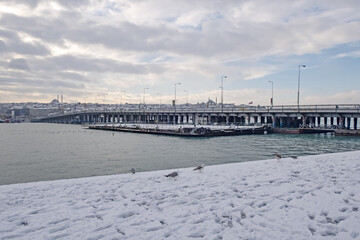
[(313, 197)]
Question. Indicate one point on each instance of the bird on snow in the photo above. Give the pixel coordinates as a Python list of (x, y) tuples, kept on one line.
[(173, 175), (277, 156), (199, 168), (132, 170)]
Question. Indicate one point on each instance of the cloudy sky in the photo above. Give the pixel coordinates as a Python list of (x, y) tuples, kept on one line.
[(110, 51)]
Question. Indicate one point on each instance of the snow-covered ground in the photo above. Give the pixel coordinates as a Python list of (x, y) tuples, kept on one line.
[(312, 197)]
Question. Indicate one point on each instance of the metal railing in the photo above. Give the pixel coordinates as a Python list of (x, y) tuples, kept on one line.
[(145, 109)]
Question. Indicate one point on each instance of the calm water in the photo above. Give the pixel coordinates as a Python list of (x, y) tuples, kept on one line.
[(36, 152)]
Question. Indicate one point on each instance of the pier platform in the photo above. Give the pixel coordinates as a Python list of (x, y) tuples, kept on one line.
[(347, 132), (182, 130), (301, 130)]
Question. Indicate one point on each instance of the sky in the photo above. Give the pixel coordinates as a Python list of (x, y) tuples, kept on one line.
[(115, 51)]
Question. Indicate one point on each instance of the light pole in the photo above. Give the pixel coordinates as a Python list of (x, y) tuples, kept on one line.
[(272, 93), (175, 94), (144, 95), (130, 99), (222, 92), (121, 96), (175, 102), (298, 94), (186, 96)]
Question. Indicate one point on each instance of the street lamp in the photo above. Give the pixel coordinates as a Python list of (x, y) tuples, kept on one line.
[(175, 94), (175, 103), (186, 96), (298, 94), (272, 93), (222, 92), (144, 95)]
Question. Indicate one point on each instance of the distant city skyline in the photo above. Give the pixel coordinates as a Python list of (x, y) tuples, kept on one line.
[(110, 51)]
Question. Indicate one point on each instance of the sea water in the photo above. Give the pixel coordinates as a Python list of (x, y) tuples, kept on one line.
[(38, 151)]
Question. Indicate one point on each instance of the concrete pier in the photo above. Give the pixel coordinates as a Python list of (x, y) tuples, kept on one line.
[(182, 130)]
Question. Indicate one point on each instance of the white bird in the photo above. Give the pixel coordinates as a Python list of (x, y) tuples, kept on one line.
[(173, 175), (132, 170), (199, 168), (277, 156)]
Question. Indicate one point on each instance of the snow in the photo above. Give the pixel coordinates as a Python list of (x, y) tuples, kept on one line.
[(312, 197)]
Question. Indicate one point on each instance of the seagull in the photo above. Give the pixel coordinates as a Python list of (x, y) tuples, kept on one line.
[(200, 168), (132, 170), (173, 175), (277, 156)]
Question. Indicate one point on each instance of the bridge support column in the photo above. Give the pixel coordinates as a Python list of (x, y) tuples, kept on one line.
[(304, 120), (262, 120), (343, 122), (355, 123), (281, 122), (255, 119), (348, 123)]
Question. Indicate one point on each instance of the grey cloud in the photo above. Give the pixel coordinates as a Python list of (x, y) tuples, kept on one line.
[(47, 30), (45, 84), (72, 3), (2, 46), (73, 76), (72, 63), (14, 44), (35, 3), (30, 3), (19, 63), (130, 37)]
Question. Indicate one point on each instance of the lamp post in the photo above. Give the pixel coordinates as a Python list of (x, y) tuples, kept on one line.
[(272, 93), (298, 94), (222, 92), (186, 96), (175, 94), (144, 95), (130, 99), (175, 103)]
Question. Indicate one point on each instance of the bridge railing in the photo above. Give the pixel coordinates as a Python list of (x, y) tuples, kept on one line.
[(324, 108)]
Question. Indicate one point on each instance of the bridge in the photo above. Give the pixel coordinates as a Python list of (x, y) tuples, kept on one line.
[(289, 116)]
